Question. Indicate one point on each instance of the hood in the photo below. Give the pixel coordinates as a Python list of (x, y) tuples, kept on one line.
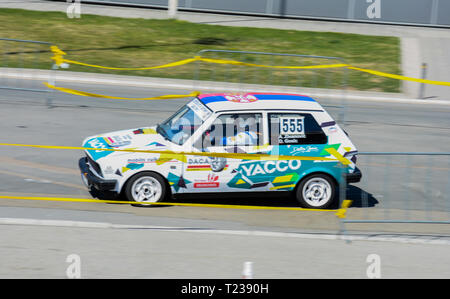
[(139, 138)]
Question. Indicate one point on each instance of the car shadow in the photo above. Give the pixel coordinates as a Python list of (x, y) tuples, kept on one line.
[(103, 195), (359, 198), (257, 199), (110, 197)]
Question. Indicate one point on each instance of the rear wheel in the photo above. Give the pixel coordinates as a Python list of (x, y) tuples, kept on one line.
[(146, 187), (316, 191)]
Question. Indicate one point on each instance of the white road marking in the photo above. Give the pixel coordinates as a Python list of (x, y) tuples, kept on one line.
[(436, 240)]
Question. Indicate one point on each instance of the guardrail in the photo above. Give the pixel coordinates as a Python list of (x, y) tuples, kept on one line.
[(401, 187), (18, 58), (265, 73)]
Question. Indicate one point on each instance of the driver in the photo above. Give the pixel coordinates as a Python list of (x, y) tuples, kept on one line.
[(244, 135), (241, 138)]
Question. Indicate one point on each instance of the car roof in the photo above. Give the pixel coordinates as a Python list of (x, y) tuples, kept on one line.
[(246, 101)]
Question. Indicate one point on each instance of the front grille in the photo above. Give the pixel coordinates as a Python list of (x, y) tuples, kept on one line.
[(95, 166)]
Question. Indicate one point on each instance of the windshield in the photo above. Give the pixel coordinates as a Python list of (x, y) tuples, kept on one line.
[(183, 124)]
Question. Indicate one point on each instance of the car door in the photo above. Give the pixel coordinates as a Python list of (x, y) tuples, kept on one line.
[(292, 134), (228, 133)]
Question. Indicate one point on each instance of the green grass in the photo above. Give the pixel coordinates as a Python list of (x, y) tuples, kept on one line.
[(121, 42)]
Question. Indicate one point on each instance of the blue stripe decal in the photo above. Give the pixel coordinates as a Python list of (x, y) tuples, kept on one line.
[(284, 97), (213, 99)]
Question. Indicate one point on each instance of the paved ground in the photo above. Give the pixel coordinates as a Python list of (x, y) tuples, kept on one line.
[(185, 250), (406, 187), (419, 44), (42, 252), (399, 187)]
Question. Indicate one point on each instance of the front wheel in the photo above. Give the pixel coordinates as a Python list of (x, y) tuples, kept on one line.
[(316, 191), (145, 187)]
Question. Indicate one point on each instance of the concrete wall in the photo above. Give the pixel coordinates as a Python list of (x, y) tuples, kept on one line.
[(416, 12)]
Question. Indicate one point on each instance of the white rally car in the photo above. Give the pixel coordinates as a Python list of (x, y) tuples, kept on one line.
[(220, 125)]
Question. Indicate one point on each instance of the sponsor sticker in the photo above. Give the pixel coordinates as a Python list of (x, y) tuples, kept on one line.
[(199, 109), (332, 130), (214, 164), (118, 141), (211, 182), (241, 98), (303, 149), (281, 174)]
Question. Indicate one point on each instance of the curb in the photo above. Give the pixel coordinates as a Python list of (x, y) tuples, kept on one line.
[(208, 86), (404, 239)]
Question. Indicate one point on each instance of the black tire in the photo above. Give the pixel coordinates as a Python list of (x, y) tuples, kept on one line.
[(320, 181), (153, 178)]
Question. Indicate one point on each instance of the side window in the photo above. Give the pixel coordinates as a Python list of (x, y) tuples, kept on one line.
[(235, 130), (295, 128)]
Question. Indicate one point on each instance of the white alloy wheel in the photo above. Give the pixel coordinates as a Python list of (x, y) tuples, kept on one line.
[(316, 191), (146, 187)]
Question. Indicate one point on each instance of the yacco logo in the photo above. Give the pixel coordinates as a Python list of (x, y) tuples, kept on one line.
[(268, 167), (99, 143), (281, 174)]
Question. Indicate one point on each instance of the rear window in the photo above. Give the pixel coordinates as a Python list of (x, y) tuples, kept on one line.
[(295, 128)]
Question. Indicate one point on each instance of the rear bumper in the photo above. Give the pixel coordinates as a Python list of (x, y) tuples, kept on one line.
[(91, 180), (353, 177)]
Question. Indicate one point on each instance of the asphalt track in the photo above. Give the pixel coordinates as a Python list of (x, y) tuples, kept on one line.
[(394, 182), (402, 188)]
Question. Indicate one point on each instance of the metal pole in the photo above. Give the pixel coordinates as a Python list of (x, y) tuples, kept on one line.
[(51, 81), (173, 6), (422, 85), (282, 8)]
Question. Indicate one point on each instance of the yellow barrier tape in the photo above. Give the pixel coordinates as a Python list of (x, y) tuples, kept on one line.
[(89, 94), (181, 155), (172, 64), (341, 213), (234, 62), (59, 59), (57, 55), (398, 77), (86, 200), (338, 156)]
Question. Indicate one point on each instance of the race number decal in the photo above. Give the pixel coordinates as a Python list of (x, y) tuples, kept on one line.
[(292, 129), (292, 126)]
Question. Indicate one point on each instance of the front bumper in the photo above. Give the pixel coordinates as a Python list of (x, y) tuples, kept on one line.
[(91, 180), (353, 177)]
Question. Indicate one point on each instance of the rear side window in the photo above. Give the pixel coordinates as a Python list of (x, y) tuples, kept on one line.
[(295, 128)]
